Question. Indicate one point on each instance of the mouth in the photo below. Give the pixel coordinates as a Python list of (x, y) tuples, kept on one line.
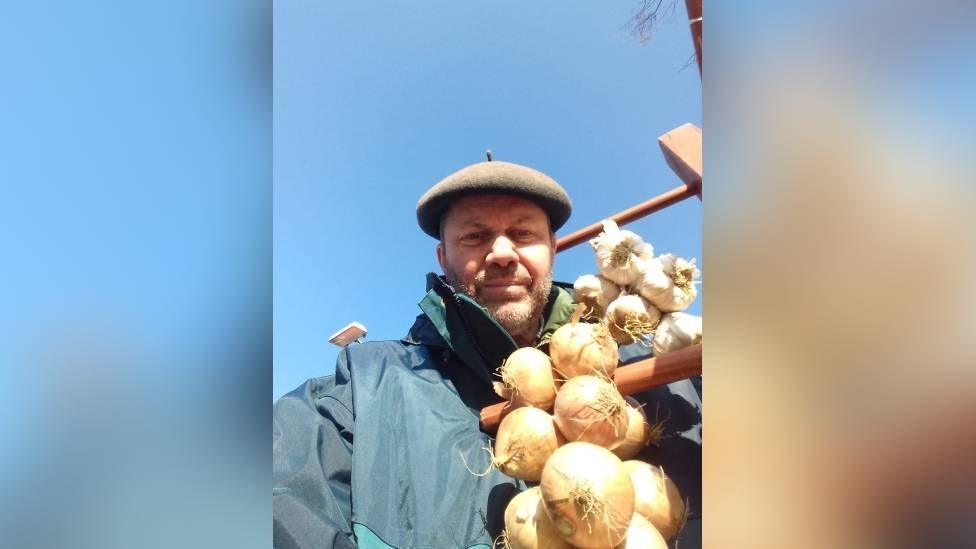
[(509, 283), (509, 289), (505, 284)]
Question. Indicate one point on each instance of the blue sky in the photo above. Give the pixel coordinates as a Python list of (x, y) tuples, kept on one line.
[(374, 105)]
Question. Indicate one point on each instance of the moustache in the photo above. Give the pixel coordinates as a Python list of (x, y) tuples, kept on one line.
[(515, 274)]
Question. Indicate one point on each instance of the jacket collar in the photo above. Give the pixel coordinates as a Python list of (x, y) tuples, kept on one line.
[(455, 321)]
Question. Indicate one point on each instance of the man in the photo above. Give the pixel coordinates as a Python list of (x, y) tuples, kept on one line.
[(381, 453)]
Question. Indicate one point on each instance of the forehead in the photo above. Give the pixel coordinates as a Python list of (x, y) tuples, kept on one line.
[(490, 209)]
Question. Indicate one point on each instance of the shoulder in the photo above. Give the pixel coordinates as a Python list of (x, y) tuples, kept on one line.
[(388, 352), (371, 364)]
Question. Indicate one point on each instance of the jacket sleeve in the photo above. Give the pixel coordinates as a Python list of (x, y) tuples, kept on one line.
[(313, 442)]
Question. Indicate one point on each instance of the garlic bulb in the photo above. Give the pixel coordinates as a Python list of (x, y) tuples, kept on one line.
[(677, 331), (668, 282), (619, 254), (596, 292), (630, 318)]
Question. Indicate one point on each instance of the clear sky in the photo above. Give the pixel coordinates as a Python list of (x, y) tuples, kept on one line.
[(373, 105)]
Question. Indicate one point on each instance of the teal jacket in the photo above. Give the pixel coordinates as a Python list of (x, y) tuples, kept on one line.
[(380, 454)]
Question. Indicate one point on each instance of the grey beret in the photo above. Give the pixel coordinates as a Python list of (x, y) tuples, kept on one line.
[(493, 177)]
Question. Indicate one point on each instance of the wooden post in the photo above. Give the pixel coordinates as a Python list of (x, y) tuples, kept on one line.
[(682, 148), (695, 21)]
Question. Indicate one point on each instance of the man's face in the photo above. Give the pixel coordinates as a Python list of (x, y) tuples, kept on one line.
[(498, 249)]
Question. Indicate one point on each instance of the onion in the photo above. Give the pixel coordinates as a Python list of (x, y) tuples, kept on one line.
[(589, 409), (580, 348), (596, 292), (677, 331), (588, 494), (657, 497), (527, 526), (525, 440), (630, 318), (527, 377), (642, 535), (619, 253), (639, 434)]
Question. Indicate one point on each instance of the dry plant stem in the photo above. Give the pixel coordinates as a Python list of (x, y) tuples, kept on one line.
[(588, 505), (509, 380), (606, 406), (577, 313), (496, 463), (562, 376), (657, 428), (591, 312), (636, 329)]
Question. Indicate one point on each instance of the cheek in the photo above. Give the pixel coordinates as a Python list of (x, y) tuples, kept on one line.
[(538, 260), (464, 264)]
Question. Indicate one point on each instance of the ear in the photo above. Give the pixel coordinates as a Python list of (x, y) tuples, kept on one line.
[(441, 257)]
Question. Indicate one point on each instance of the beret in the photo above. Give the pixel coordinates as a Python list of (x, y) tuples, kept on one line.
[(493, 177)]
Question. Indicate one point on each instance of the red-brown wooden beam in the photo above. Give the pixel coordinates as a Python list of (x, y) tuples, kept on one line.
[(657, 203), (630, 379)]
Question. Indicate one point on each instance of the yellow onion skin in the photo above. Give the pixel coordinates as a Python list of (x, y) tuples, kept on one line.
[(527, 373), (581, 348), (527, 526), (638, 431), (588, 495), (657, 497), (526, 438), (642, 535), (589, 409)]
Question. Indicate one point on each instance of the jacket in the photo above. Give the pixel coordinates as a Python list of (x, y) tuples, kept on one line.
[(387, 451)]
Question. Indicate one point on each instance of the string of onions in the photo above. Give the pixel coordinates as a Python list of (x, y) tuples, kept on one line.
[(588, 495), (582, 348), (527, 379), (657, 498), (620, 253), (676, 331), (631, 318), (528, 526), (590, 409)]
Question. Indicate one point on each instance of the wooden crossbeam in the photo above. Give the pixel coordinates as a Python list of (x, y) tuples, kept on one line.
[(647, 207), (630, 379)]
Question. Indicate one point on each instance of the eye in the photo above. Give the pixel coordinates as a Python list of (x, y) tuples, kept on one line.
[(523, 235), (472, 238)]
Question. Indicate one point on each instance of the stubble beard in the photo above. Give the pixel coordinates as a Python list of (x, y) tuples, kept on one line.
[(521, 318)]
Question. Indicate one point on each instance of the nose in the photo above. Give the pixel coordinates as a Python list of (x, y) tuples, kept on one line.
[(502, 253)]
